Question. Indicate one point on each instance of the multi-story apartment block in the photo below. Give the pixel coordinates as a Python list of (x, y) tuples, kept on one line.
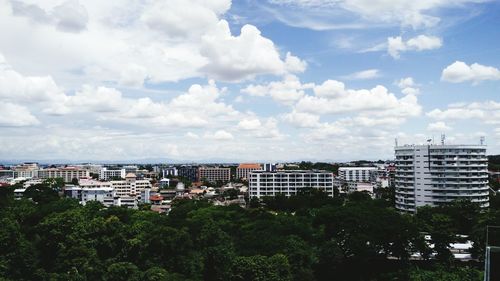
[(213, 174), (66, 173), (289, 182), (188, 172), (439, 174), (243, 170), (130, 187), (108, 174), (358, 174)]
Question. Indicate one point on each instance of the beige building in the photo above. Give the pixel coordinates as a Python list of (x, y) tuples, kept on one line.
[(67, 173), (245, 168), (131, 186)]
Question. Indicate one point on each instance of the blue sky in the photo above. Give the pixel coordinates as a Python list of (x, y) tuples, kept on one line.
[(262, 80)]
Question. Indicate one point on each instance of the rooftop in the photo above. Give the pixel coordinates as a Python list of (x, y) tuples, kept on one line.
[(249, 166)]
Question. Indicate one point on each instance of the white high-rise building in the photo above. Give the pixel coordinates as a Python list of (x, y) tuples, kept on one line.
[(439, 174), (289, 182)]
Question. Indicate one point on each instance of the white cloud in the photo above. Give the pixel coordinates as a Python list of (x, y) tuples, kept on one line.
[(249, 124), (438, 127), (69, 16), (396, 45), (287, 91), (13, 115), (363, 75), (128, 42), (236, 58), (461, 72), (488, 112), (332, 98), (192, 135), (15, 86), (408, 86), (220, 135), (302, 120), (415, 14)]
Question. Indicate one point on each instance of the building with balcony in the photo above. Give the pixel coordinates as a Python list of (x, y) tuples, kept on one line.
[(357, 174), (66, 173), (243, 170), (289, 182), (214, 174), (439, 174)]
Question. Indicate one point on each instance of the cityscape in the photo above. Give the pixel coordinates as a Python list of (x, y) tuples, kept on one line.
[(255, 140)]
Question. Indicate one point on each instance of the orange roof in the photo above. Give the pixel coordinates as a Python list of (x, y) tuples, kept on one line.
[(249, 166), (156, 198)]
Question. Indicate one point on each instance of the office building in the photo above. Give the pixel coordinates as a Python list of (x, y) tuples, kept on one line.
[(243, 170), (439, 174), (289, 182)]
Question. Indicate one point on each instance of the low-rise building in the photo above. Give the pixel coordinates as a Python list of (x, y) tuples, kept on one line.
[(66, 173), (108, 174), (358, 174), (289, 182), (214, 174)]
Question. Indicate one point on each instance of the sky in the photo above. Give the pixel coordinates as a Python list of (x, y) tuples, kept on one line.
[(245, 80)]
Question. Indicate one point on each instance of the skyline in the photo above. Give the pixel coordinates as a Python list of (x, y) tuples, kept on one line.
[(275, 80)]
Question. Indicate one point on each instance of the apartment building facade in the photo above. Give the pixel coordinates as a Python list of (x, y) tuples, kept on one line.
[(439, 174), (289, 182), (244, 169), (357, 174), (66, 173), (214, 174)]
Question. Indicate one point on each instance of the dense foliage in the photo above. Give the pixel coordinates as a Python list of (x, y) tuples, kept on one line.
[(307, 237)]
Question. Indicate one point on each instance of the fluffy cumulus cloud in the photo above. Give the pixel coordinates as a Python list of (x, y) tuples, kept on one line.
[(14, 115), (332, 97), (234, 58), (488, 112), (129, 43), (461, 72), (396, 45), (287, 91)]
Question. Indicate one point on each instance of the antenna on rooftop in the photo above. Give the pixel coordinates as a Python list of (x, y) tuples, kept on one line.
[(396, 141), (443, 138), (481, 140)]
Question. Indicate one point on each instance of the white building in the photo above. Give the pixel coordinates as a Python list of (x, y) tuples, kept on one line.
[(358, 174), (289, 182), (354, 186), (439, 174), (130, 187), (66, 173), (106, 174)]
